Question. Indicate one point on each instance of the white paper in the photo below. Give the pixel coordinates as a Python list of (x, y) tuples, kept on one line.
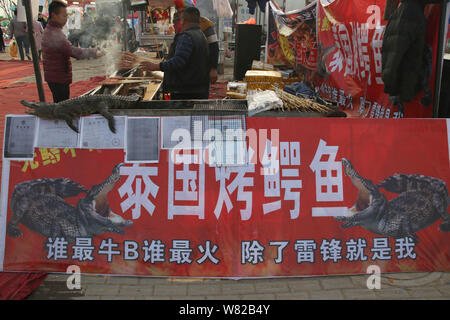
[(168, 127), (57, 134), (95, 133), (20, 134)]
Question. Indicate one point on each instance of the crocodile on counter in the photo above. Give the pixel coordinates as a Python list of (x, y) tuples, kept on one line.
[(40, 206), (421, 201), (82, 106)]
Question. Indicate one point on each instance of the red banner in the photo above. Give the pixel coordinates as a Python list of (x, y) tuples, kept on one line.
[(350, 35), (292, 38), (285, 213)]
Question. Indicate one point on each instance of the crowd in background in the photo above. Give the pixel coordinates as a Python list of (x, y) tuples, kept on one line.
[(92, 32), (2, 40), (17, 31)]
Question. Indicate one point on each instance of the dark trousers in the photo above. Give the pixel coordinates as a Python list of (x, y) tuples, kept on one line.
[(60, 91), (22, 42), (2, 43)]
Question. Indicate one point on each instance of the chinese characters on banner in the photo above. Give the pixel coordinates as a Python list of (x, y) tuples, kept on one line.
[(284, 213), (340, 43), (350, 34)]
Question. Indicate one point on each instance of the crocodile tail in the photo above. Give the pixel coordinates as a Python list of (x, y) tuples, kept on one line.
[(67, 188), (395, 183), (15, 197), (399, 183)]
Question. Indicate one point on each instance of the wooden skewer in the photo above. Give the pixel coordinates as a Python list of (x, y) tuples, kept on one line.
[(116, 82), (132, 78), (140, 59), (147, 59), (293, 102), (134, 60)]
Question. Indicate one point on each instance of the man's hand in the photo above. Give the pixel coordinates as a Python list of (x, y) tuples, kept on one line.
[(213, 75), (99, 54), (127, 61), (149, 66)]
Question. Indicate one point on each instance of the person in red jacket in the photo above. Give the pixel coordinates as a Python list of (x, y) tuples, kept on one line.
[(57, 51)]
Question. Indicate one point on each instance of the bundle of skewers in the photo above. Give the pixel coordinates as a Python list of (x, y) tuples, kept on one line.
[(294, 103), (129, 60), (117, 80)]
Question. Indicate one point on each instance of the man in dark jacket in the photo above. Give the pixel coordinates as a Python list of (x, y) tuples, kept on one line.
[(207, 27), (57, 51), (186, 72), (403, 52)]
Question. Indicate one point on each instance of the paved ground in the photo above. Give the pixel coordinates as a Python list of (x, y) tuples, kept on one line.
[(404, 286), (433, 285)]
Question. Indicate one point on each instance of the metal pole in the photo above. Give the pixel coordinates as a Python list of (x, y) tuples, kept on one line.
[(440, 59), (34, 53), (257, 14), (125, 23)]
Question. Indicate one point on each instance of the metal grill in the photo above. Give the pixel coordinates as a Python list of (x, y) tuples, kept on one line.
[(223, 126), (222, 107), (228, 118)]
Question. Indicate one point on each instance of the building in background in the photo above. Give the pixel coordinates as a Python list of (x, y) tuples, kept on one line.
[(80, 3)]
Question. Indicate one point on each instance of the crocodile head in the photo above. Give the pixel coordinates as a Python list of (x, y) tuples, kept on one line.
[(43, 110), (96, 203), (368, 192), (98, 191)]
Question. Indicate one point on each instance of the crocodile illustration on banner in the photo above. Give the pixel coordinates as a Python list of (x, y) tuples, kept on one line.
[(40, 206), (421, 201)]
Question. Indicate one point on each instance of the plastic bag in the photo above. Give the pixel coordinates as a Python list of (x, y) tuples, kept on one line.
[(13, 51), (223, 8), (259, 101)]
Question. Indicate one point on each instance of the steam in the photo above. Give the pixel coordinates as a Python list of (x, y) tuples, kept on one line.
[(102, 33), (112, 54)]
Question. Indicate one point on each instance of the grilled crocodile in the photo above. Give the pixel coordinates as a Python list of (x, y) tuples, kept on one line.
[(421, 201), (82, 106)]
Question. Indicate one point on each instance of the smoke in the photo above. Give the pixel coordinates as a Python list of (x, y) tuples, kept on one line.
[(107, 34), (112, 54), (104, 32)]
